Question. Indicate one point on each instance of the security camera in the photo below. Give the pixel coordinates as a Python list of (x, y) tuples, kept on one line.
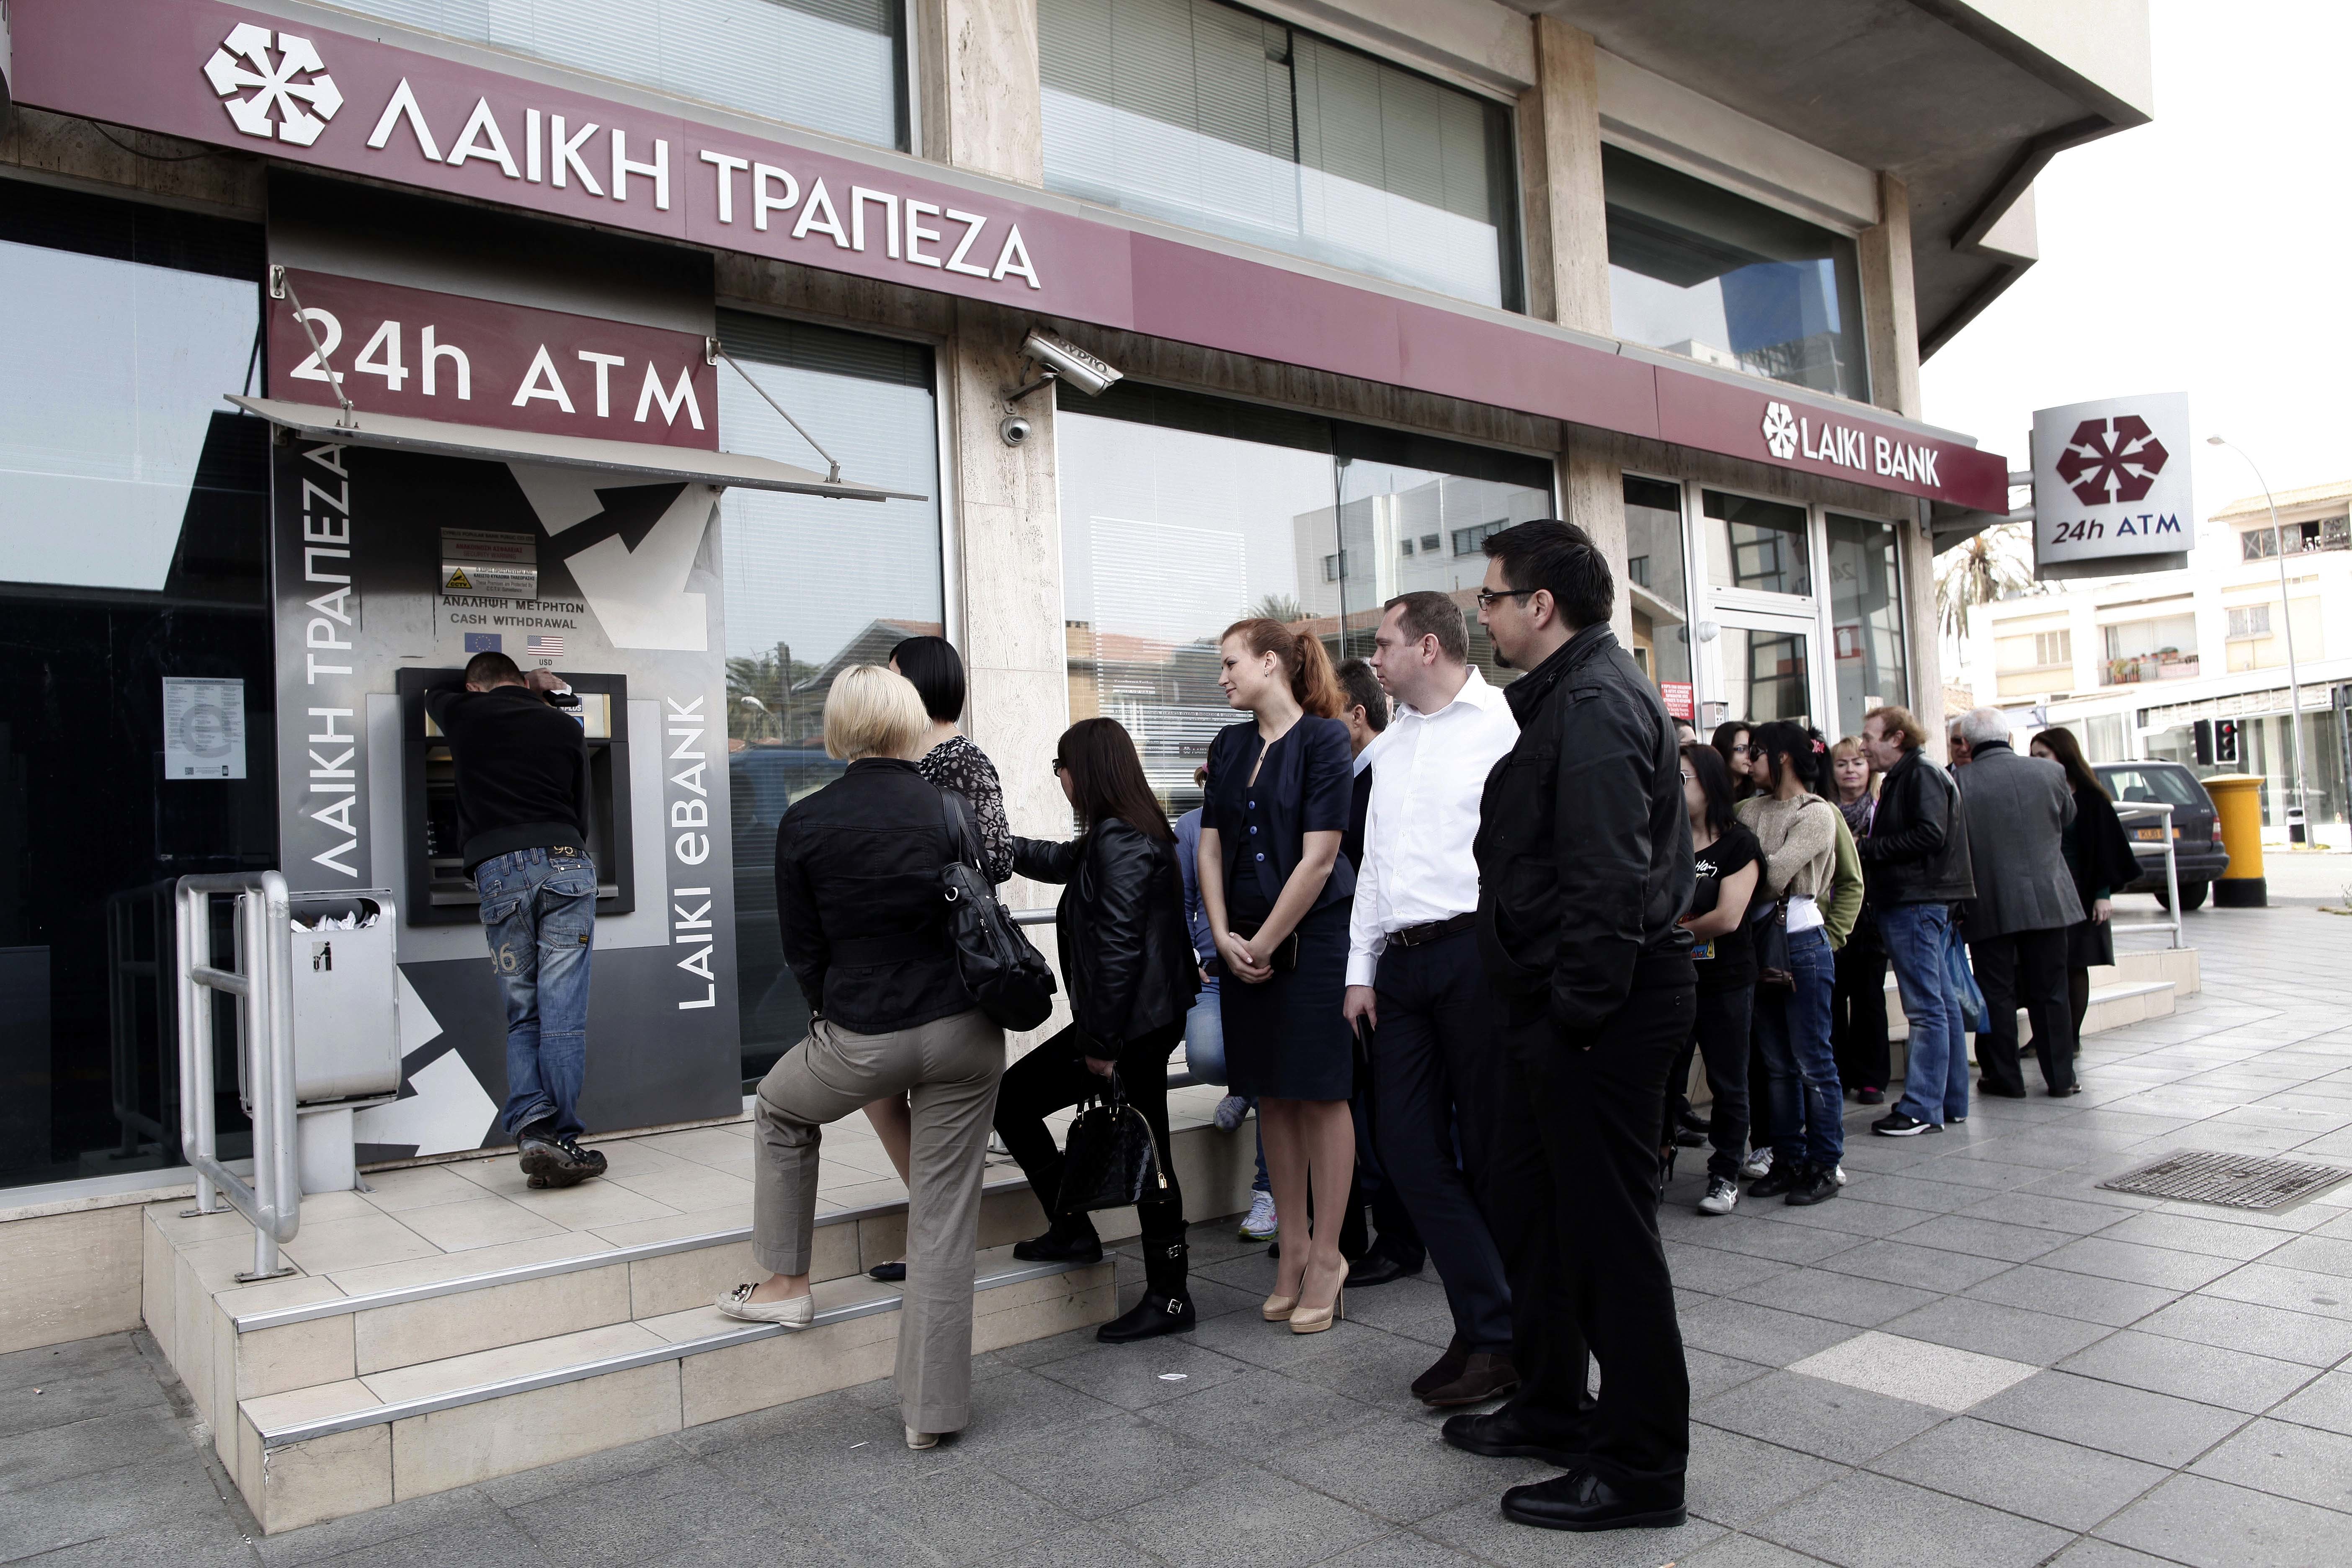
[(1015, 430), (1072, 363)]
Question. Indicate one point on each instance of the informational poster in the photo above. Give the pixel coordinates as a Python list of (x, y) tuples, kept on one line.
[(1678, 694), (203, 728), (492, 565)]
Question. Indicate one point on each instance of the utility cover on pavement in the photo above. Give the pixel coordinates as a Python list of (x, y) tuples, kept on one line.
[(2233, 1181)]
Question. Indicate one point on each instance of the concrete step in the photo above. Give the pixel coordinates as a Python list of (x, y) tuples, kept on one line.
[(336, 1448)]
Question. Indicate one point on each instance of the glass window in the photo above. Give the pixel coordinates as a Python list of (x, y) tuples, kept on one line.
[(1654, 579), (1866, 616), (134, 523), (813, 587), (1758, 544), (2163, 648), (2249, 621), (838, 66), (1767, 674), (1697, 270), (1182, 514), (1219, 118)]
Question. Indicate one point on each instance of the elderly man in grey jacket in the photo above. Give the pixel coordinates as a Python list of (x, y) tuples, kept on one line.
[(2017, 809)]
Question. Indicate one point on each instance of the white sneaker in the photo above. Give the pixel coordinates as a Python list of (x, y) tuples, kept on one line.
[(1231, 1111), (1722, 1194), (1757, 1164), (1263, 1224)]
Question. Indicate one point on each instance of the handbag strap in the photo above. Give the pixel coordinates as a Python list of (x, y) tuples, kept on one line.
[(957, 815)]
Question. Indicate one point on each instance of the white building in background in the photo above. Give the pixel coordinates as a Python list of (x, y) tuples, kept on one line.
[(2130, 664)]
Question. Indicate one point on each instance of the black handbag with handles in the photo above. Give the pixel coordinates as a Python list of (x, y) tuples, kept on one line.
[(1110, 1161), (1773, 967), (1000, 966)]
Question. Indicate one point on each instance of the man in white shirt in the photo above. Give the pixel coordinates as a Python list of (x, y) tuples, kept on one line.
[(1415, 981)]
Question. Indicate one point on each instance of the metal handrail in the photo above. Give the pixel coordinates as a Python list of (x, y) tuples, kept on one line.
[(2162, 811), (262, 982), (1179, 1079)]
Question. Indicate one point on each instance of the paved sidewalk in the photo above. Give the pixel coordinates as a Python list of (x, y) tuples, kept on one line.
[(1970, 1358)]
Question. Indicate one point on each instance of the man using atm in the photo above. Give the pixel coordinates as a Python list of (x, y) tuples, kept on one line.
[(521, 764)]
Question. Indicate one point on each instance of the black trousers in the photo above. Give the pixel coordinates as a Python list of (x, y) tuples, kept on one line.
[(1392, 1225), (1719, 1025), (1437, 1065), (1575, 1163), (2025, 969), (1858, 1018), (1054, 1077)]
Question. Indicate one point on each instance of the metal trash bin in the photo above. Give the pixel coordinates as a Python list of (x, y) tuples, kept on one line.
[(345, 986)]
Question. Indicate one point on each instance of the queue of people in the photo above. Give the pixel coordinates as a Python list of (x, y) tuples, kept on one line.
[(1459, 945)]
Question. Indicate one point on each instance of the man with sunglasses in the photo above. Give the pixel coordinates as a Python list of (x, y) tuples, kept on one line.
[(1584, 873)]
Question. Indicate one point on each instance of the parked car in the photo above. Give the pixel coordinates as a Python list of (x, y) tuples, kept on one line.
[(2197, 850)]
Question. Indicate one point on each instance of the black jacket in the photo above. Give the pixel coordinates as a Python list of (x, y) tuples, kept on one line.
[(522, 769), (1125, 950), (2098, 850), (1916, 851), (1583, 846), (858, 896)]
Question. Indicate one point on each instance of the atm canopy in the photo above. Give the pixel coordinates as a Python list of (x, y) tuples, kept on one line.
[(640, 462)]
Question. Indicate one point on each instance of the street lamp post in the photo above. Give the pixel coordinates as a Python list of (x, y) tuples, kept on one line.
[(2296, 832)]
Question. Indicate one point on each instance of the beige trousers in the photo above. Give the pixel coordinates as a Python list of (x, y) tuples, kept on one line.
[(949, 1071)]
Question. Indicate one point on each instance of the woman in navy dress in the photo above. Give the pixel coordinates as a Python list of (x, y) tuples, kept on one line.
[(1277, 892)]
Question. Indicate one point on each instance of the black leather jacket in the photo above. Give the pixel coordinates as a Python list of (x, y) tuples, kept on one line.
[(1583, 846), (1120, 926), (864, 916), (1916, 851)]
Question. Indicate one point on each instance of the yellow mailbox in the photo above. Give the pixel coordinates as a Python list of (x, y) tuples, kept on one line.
[(2238, 805)]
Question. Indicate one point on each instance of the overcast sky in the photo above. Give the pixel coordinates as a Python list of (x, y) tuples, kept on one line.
[(2209, 252)]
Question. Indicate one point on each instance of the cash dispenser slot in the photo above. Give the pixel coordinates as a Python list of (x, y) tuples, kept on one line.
[(439, 891)]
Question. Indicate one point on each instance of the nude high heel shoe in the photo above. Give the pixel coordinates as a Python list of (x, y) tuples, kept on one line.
[(1315, 1320), (1278, 1309)]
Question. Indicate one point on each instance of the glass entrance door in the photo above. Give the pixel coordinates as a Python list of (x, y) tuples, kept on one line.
[(1767, 668)]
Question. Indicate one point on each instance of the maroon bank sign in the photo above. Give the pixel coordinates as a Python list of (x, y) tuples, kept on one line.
[(477, 361), (308, 93)]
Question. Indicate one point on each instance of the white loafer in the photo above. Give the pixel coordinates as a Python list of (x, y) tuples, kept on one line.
[(921, 1439), (792, 1311)]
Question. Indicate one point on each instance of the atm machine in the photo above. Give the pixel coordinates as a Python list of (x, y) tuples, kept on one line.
[(440, 893)]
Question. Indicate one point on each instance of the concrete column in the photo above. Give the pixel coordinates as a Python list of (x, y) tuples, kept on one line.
[(1922, 639), (1890, 315), (1592, 496), (1560, 168), (979, 95)]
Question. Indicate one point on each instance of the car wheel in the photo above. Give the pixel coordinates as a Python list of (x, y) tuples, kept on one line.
[(2192, 895)]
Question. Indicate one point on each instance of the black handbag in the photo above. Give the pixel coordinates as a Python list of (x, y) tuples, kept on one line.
[(1000, 966), (1110, 1161), (1773, 966)]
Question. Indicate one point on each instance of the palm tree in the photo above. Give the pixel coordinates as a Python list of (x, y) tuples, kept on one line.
[(1997, 563), (1279, 607)]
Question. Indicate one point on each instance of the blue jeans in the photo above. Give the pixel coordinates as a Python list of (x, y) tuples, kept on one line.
[(1935, 1081), (538, 911), (1204, 1053), (1800, 1075)]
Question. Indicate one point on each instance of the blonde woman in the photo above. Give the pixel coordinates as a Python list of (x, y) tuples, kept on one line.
[(865, 930)]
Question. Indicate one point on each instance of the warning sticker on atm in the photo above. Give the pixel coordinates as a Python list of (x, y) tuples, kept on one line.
[(489, 580)]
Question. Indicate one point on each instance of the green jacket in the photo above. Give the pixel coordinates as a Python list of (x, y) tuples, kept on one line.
[(1843, 906)]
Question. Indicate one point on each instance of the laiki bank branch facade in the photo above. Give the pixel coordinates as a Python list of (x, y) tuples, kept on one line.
[(673, 352)]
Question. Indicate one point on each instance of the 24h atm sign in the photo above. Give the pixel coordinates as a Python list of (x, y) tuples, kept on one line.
[(2111, 491)]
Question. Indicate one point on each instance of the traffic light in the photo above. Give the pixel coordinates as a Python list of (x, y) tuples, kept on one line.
[(2204, 730), (2225, 743)]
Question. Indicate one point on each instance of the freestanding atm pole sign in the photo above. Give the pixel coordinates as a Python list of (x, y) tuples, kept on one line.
[(2111, 491)]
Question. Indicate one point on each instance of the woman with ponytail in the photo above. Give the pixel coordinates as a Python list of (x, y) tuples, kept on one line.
[(1798, 831), (1277, 893)]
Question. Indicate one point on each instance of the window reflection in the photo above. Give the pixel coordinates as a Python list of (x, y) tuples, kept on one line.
[(830, 65), (1694, 269), (1221, 120), (810, 590), (1866, 619), (1758, 544), (1660, 598), (1767, 674)]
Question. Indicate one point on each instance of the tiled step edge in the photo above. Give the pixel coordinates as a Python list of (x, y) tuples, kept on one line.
[(384, 1415), (336, 1306)]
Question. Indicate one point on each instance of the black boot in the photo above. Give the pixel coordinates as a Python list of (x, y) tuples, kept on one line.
[(1072, 1239), (1165, 1308)]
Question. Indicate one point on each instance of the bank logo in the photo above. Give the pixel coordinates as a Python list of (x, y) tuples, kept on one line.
[(2109, 460), (243, 66), (1780, 430)]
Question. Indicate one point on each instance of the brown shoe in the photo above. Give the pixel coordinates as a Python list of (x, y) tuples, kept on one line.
[(1448, 1368), (1482, 1377)]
